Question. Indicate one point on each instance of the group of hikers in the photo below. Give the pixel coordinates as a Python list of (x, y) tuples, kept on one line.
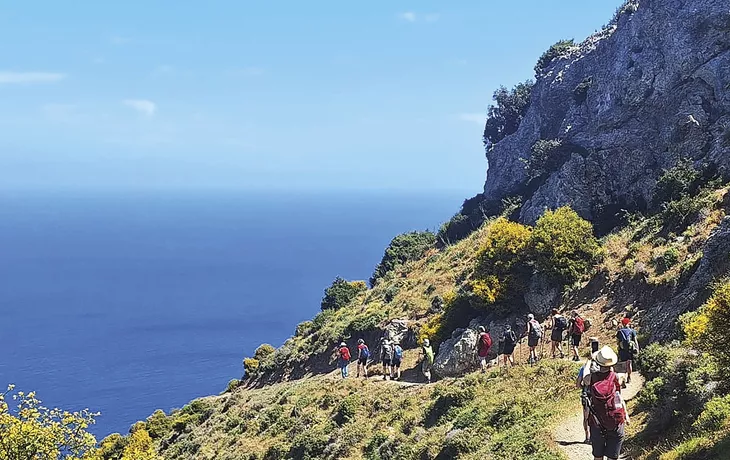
[(604, 409)]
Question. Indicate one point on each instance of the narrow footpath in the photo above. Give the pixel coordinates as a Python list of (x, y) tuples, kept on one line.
[(569, 435)]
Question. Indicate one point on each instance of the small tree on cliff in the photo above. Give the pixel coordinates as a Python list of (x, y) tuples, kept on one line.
[(505, 116), (341, 293), (404, 248)]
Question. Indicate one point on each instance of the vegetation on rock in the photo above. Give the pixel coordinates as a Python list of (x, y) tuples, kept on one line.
[(406, 247), (505, 116)]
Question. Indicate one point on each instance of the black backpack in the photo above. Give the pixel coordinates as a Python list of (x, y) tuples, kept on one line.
[(509, 338), (561, 323)]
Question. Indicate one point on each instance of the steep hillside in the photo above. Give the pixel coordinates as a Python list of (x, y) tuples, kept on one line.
[(631, 129)]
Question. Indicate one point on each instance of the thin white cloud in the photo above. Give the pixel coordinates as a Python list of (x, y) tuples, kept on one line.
[(30, 77), (248, 72), (143, 106), (409, 16), (479, 118), (120, 40), (412, 16)]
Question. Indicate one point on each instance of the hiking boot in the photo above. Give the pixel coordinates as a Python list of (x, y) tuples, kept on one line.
[(385, 377)]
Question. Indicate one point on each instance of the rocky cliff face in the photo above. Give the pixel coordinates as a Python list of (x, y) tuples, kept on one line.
[(627, 103)]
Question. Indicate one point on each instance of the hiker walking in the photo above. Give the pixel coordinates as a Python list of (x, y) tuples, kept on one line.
[(386, 356), (608, 413), (534, 334), (628, 346), (343, 354), (363, 354), (558, 325), (509, 341), (576, 330), (428, 358), (484, 346), (397, 358), (583, 383)]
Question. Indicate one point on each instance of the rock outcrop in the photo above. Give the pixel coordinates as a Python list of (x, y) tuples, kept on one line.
[(629, 102), (715, 263), (458, 354)]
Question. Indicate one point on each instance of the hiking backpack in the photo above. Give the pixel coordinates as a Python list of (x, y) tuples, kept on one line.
[(627, 342), (535, 330), (398, 352), (605, 402), (579, 326), (345, 353), (485, 341), (509, 338), (561, 323), (364, 351)]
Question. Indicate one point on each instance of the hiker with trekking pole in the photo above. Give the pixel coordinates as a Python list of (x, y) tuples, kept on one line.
[(575, 331), (558, 325), (628, 346), (509, 341), (534, 334), (607, 408)]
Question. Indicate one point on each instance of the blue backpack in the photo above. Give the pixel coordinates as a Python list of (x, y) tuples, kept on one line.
[(365, 352), (398, 352)]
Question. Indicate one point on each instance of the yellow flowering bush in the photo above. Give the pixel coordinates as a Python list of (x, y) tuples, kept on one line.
[(140, 447), (707, 329), (30, 431)]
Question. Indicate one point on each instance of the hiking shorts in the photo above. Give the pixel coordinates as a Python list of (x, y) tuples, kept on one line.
[(607, 444), (625, 355), (575, 339), (396, 362), (508, 349), (386, 361), (533, 341), (556, 335), (363, 360)]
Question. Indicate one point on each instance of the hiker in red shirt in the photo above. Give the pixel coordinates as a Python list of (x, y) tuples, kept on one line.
[(484, 345), (343, 358), (363, 354), (577, 328)]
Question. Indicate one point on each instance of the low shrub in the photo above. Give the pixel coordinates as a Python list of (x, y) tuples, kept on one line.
[(546, 157), (403, 248), (366, 322), (346, 410), (580, 92), (232, 385), (251, 367), (341, 293), (666, 260), (263, 351), (715, 415), (556, 50), (677, 182), (309, 444)]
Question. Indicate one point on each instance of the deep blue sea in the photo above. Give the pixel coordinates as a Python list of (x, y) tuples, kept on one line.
[(129, 303)]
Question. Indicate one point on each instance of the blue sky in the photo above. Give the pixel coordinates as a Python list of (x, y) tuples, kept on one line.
[(265, 95)]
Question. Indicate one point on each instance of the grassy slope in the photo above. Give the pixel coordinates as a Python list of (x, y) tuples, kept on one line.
[(325, 417)]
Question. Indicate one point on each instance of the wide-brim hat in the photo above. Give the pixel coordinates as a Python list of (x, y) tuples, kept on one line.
[(343, 344), (606, 357)]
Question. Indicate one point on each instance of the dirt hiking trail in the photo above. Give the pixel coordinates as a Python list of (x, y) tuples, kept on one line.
[(570, 435)]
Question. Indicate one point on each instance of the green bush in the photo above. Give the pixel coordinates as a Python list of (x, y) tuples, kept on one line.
[(651, 394), (403, 248), (232, 385), (304, 329), (563, 245), (556, 50), (341, 293), (708, 329), (366, 322), (668, 259), (158, 424), (679, 214), (251, 367), (309, 444), (459, 443), (653, 361), (715, 415), (457, 228), (346, 410), (677, 182), (446, 400), (547, 156), (263, 351), (505, 116)]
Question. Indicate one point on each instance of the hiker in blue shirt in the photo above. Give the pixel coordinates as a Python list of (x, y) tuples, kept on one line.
[(628, 346)]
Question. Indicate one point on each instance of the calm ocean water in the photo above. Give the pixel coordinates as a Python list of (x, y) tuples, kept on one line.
[(127, 304)]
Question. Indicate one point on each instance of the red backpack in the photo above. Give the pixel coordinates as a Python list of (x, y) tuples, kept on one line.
[(345, 353), (603, 402), (485, 342), (579, 326)]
